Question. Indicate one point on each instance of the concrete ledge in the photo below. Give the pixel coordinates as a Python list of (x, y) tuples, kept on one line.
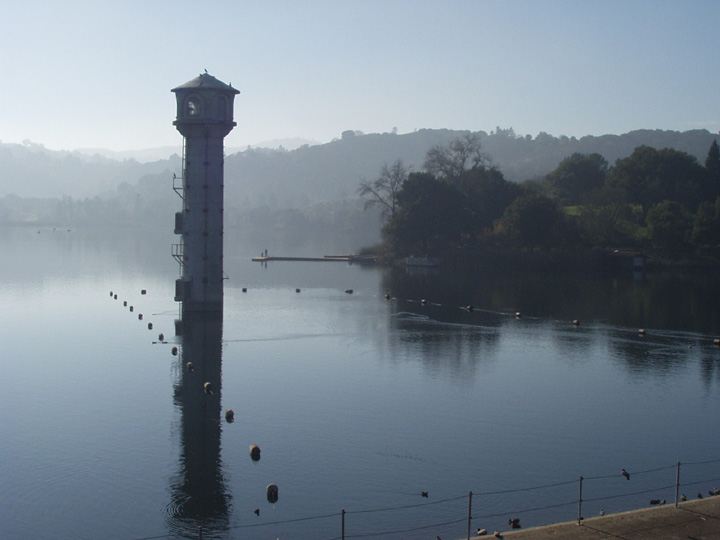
[(693, 520)]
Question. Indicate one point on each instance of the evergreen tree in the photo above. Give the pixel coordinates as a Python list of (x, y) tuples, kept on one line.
[(712, 165)]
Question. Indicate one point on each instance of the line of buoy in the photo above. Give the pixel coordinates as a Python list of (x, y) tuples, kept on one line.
[(272, 493), (254, 452)]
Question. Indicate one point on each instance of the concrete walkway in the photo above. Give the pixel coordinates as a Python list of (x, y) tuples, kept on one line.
[(693, 520)]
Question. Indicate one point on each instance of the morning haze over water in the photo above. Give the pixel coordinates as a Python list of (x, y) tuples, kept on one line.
[(357, 402)]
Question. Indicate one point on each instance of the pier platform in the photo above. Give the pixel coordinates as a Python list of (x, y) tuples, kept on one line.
[(325, 258), (694, 520)]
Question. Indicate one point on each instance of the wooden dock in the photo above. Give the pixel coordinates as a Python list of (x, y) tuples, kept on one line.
[(326, 258)]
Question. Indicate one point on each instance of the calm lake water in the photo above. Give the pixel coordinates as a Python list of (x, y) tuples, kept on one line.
[(358, 403)]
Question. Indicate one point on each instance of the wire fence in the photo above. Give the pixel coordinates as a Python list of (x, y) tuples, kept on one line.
[(458, 512)]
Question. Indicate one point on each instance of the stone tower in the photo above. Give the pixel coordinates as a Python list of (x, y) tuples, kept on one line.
[(204, 118)]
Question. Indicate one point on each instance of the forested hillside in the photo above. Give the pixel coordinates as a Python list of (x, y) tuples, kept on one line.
[(313, 189)]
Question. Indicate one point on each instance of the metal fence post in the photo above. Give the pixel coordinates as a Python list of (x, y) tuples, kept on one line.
[(343, 524), (469, 513), (579, 520), (677, 484)]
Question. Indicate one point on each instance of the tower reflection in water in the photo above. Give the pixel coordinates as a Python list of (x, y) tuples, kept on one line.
[(199, 495)]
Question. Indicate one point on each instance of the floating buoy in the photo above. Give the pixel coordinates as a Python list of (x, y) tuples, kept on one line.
[(244, 289), (297, 290), (423, 301), (140, 316), (132, 308), (161, 337), (348, 291), (125, 303), (255, 452), (111, 293), (207, 388), (149, 326), (518, 315), (189, 366), (229, 416), (115, 297), (174, 351), (143, 291), (272, 493), (641, 331)]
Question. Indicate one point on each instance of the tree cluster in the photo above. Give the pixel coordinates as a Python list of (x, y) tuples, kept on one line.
[(662, 200)]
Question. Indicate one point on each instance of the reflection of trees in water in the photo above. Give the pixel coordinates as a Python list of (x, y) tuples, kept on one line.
[(710, 366), (661, 300), (663, 352), (198, 494), (675, 309), (441, 336)]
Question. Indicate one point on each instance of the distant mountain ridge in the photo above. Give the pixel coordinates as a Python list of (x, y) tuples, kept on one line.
[(147, 155), (282, 177)]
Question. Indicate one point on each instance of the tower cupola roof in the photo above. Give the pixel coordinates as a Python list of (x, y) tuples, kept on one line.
[(206, 81)]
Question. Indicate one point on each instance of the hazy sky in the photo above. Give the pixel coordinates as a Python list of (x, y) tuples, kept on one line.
[(78, 74)]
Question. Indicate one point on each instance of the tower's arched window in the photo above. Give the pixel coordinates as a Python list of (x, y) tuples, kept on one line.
[(193, 107)]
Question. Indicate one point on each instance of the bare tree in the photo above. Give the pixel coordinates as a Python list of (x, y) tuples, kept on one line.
[(454, 160), (383, 190)]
